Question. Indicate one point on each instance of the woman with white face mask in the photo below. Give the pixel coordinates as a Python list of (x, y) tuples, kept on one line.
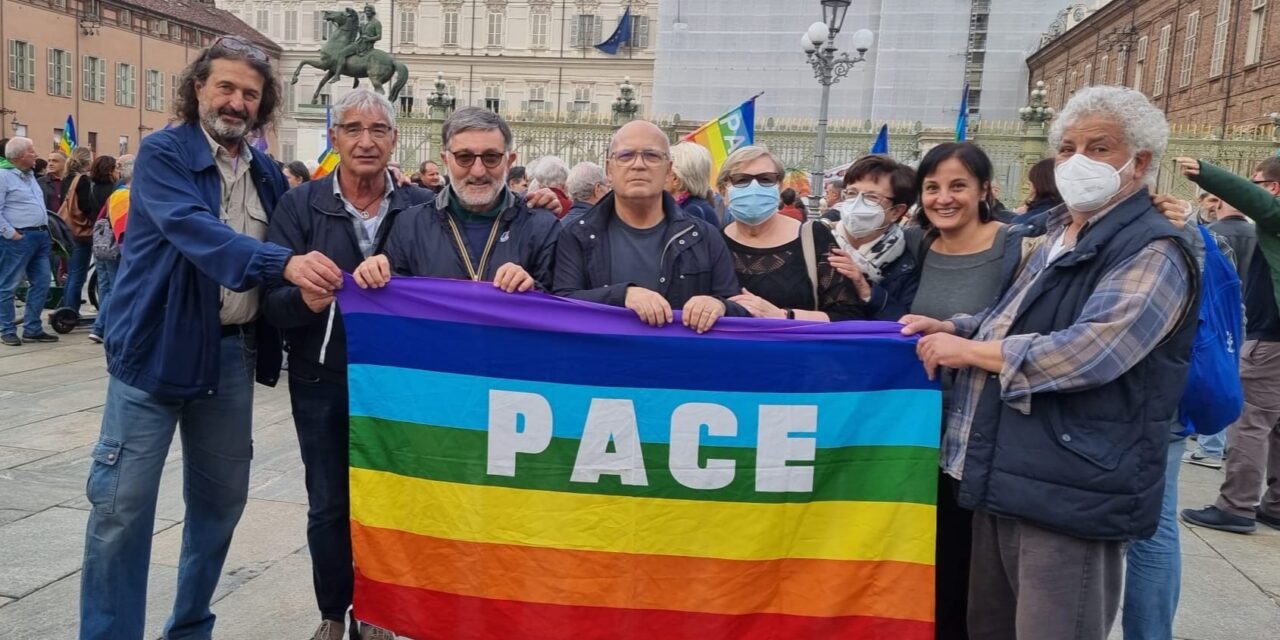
[(873, 250), (780, 276)]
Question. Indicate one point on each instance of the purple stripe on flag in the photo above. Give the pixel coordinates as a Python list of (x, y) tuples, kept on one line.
[(480, 303)]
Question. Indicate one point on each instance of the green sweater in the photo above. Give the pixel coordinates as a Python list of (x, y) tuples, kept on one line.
[(1253, 201)]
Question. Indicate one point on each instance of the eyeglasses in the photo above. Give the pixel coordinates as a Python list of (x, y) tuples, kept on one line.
[(378, 131), (744, 179), (238, 45), (647, 156), (1262, 182), (491, 159), (868, 197)]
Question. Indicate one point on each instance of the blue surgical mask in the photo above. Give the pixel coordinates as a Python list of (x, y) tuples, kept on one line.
[(753, 204)]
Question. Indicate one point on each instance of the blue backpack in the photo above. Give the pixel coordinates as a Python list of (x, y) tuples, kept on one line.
[(1213, 397)]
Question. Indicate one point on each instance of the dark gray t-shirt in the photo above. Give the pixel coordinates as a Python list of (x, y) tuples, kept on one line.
[(960, 284), (634, 253)]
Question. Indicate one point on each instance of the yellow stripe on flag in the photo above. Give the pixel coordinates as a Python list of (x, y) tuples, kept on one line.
[(730, 530)]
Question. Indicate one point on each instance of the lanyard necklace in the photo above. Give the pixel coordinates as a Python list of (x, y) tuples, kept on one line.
[(476, 274)]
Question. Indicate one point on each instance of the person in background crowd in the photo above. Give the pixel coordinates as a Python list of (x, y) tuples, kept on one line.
[(689, 181), (429, 176), (39, 168), (115, 209), (638, 249), (24, 245), (76, 176), (518, 180), (778, 279), (183, 342), (587, 184), (1068, 388), (790, 206), (347, 216), (874, 252), (51, 182), (1208, 205), (476, 229), (550, 172), (833, 194), (1043, 194), (1253, 441), (296, 174)]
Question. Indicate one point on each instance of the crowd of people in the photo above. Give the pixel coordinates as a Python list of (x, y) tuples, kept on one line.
[(1061, 330)]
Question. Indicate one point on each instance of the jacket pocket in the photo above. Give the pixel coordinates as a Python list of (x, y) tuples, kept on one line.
[(104, 475), (1102, 443)]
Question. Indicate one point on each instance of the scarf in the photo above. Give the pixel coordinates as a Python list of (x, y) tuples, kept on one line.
[(872, 257)]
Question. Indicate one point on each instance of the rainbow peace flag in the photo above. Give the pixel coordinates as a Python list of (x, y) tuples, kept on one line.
[(68, 140), (328, 160), (525, 467), (726, 134)]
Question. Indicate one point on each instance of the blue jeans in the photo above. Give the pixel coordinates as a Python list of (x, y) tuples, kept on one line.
[(1153, 576), (106, 270), (26, 257), (1215, 444), (77, 270), (124, 480)]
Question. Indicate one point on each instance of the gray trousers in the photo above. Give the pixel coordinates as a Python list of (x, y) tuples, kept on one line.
[(1253, 441), (1028, 583)]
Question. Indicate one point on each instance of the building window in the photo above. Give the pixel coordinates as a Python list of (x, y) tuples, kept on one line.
[(124, 17), (1102, 69), (1071, 82), (495, 20), (94, 71), (155, 90), (1189, 49), (122, 145), (290, 25), (1140, 63), (539, 29), (450, 36), (586, 31), (1088, 73), (408, 27), (59, 4), (1257, 29), (640, 32), (1220, 38), (1122, 63), (537, 98), (260, 22), (159, 27), (493, 97), (1162, 60), (126, 89), (59, 73), (173, 87), (321, 29), (22, 65), (581, 98), (93, 141)]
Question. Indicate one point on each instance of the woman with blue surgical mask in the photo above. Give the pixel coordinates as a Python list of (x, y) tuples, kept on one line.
[(769, 252)]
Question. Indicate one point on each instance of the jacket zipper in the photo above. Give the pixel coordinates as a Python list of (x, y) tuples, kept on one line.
[(663, 257)]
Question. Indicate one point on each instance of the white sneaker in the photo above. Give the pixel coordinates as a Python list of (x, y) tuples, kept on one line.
[(330, 630), (1198, 457)]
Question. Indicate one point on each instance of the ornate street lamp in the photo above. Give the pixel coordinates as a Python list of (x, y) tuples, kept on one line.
[(625, 106), (1037, 112), (440, 101), (819, 45)]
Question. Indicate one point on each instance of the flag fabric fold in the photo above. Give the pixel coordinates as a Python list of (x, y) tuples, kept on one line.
[(69, 140), (528, 467), (621, 35), (881, 145), (728, 133), (328, 160), (962, 120)]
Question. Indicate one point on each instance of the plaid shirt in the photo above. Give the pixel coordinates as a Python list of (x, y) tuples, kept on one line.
[(1132, 308)]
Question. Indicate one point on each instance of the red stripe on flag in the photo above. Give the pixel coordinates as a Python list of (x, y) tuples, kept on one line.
[(433, 615)]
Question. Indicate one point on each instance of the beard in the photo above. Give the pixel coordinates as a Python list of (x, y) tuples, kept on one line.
[(467, 190), (221, 130)]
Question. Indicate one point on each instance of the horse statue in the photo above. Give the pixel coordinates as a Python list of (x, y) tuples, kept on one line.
[(376, 65)]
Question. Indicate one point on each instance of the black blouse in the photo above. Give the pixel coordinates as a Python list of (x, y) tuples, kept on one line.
[(779, 275)]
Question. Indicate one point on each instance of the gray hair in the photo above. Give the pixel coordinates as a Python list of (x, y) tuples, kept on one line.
[(583, 180), (124, 164), (474, 119), (691, 162), (744, 156), (17, 146), (549, 171), (1145, 126), (363, 99)]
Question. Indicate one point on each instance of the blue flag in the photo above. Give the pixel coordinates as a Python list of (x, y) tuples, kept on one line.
[(882, 141), (962, 120), (620, 36)]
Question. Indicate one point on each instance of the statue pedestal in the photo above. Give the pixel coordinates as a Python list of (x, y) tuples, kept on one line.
[(311, 114)]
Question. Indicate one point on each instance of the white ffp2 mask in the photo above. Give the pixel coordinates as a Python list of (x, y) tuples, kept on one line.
[(1087, 184)]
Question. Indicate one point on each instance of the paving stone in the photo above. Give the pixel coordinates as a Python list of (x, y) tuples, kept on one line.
[(1210, 589), (33, 361), (1257, 556), (1194, 545), (55, 434), (17, 456), (12, 515), (39, 550), (69, 398), (277, 604), (36, 491), (16, 413), (58, 375), (289, 487), (4, 601), (268, 531)]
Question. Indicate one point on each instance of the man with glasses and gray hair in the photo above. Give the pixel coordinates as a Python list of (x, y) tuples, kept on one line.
[(587, 185), (184, 340), (476, 228), (637, 248)]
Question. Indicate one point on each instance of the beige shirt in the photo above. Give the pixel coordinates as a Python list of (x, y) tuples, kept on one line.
[(242, 211)]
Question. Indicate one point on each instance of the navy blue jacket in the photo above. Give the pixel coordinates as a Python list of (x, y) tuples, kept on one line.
[(164, 332), (310, 218), (891, 298), (1089, 463), (700, 208), (579, 209), (696, 261)]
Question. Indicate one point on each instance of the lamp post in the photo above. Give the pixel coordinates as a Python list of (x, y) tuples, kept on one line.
[(440, 101), (1037, 111), (625, 106), (819, 45)]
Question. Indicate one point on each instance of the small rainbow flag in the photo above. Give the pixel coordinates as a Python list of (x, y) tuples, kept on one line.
[(328, 160), (68, 140), (726, 134), (524, 467)]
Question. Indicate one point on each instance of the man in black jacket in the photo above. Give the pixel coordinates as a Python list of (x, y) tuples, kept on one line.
[(346, 216), (638, 249)]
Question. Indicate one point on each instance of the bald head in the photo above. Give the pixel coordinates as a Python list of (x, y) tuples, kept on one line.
[(641, 132), (639, 160)]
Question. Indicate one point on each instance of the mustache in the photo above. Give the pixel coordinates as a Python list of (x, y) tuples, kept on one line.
[(228, 111)]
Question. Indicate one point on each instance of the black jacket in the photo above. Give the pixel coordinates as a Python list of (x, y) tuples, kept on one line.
[(424, 245), (579, 209), (695, 262), (311, 218), (699, 207), (51, 187)]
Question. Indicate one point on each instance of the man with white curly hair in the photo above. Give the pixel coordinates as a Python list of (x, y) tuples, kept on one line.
[(1067, 388)]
